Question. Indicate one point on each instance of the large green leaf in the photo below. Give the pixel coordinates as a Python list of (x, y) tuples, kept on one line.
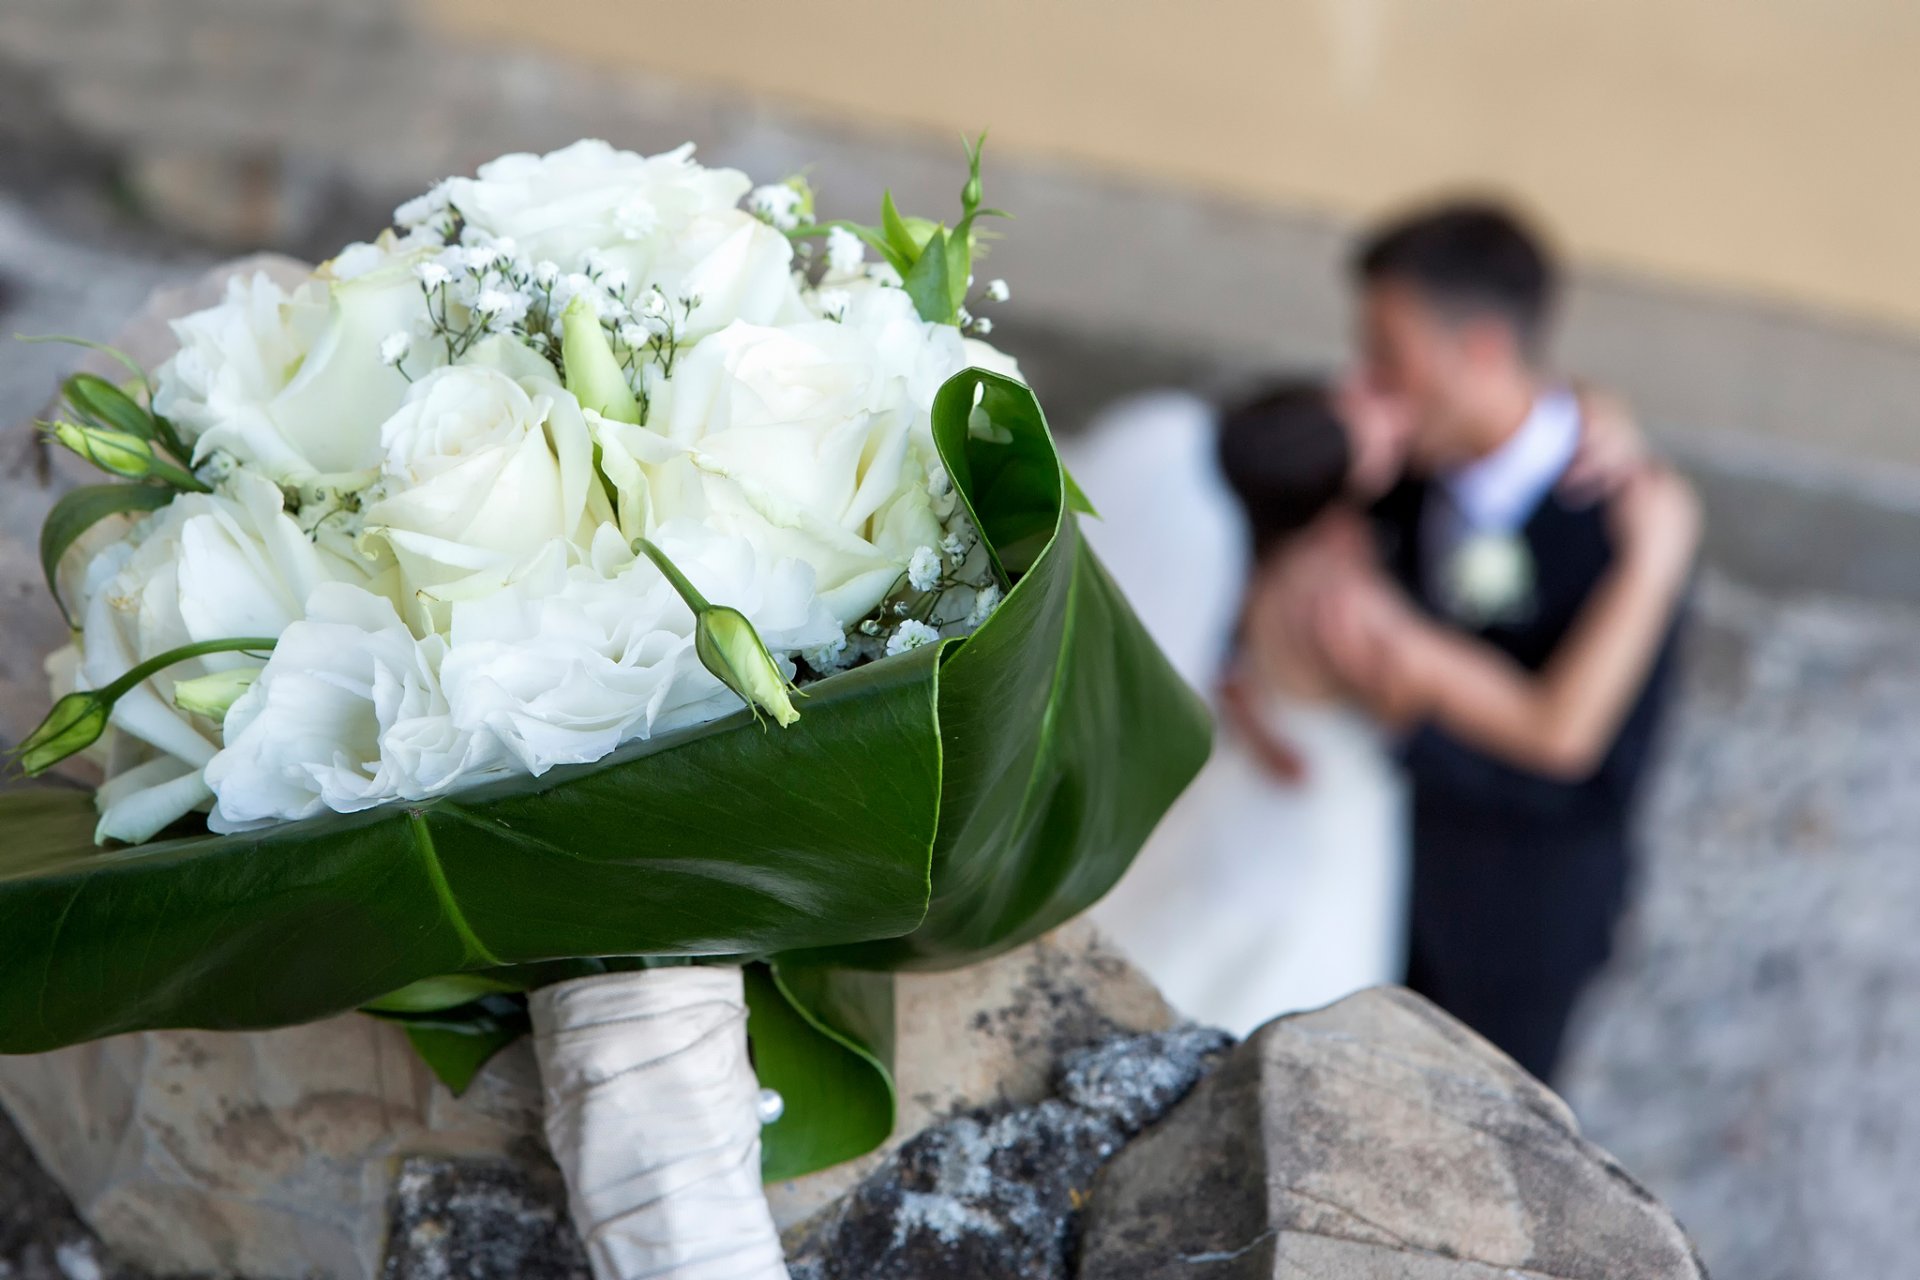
[(457, 1043), (926, 811), (823, 1038), (1067, 737), (726, 839), (1067, 733)]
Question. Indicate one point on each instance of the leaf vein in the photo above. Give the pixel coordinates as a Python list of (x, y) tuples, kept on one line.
[(437, 877)]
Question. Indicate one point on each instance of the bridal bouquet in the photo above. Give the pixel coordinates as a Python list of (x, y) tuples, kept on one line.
[(594, 575)]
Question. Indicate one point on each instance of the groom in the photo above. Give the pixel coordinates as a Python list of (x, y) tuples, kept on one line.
[(1518, 877)]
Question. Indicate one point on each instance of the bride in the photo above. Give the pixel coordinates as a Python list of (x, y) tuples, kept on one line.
[(1279, 881)]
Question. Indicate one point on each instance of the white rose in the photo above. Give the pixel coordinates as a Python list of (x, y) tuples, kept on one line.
[(346, 714), (363, 258), (796, 438), (981, 354), (481, 471), (921, 354), (204, 567), (737, 268), (590, 198), (292, 384), (235, 357), (662, 221), (567, 663)]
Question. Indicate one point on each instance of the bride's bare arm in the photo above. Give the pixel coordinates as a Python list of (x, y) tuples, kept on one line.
[(1561, 720), (1240, 713)]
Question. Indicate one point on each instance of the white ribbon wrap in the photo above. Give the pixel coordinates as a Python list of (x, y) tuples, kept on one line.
[(653, 1116)]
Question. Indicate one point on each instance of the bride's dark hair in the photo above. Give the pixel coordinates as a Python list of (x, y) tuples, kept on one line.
[(1285, 455)]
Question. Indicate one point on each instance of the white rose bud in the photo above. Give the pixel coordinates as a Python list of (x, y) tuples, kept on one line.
[(593, 371), (213, 694)]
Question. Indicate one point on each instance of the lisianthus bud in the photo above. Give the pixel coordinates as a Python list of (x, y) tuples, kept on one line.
[(99, 401), (730, 648), (119, 452), (122, 453), (75, 723), (77, 720), (594, 375), (921, 230), (211, 695)]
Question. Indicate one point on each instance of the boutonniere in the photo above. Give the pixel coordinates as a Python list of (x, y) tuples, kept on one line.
[(1489, 579)]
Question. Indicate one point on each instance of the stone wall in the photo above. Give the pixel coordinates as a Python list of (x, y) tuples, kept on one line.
[(295, 124)]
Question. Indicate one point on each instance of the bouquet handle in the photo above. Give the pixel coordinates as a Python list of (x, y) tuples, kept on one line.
[(653, 1114)]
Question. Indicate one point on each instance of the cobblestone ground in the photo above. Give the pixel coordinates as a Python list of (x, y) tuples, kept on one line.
[(1752, 1057)]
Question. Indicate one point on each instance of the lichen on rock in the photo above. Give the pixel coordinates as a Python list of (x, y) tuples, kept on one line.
[(999, 1191)]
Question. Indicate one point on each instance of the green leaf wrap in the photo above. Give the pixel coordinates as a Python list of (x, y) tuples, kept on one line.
[(926, 811)]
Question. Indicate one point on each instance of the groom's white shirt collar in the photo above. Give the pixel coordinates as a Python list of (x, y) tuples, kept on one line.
[(1499, 493)]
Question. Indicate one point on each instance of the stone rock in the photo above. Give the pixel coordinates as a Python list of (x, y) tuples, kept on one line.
[(981, 1195), (1133, 1080), (997, 1192), (992, 1034), (40, 1238), (480, 1220), (1375, 1138), (269, 1154), (263, 1154)]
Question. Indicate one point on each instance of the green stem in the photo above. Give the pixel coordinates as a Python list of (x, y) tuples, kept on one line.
[(177, 477), (113, 692), (88, 343), (695, 601), (809, 229), (170, 440)]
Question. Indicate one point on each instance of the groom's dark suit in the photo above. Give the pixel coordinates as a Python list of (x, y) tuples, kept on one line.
[(1518, 879)]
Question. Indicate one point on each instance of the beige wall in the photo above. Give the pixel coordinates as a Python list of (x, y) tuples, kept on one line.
[(1763, 145)]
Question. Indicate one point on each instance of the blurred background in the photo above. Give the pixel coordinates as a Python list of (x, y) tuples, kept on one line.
[(1732, 184)]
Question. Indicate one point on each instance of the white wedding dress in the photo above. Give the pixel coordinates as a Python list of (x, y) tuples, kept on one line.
[(1254, 897)]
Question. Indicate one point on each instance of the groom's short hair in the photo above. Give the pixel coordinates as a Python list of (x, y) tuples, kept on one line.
[(1468, 258)]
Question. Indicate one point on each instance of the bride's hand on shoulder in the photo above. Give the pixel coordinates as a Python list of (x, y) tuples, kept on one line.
[(1612, 447), (1655, 520)]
